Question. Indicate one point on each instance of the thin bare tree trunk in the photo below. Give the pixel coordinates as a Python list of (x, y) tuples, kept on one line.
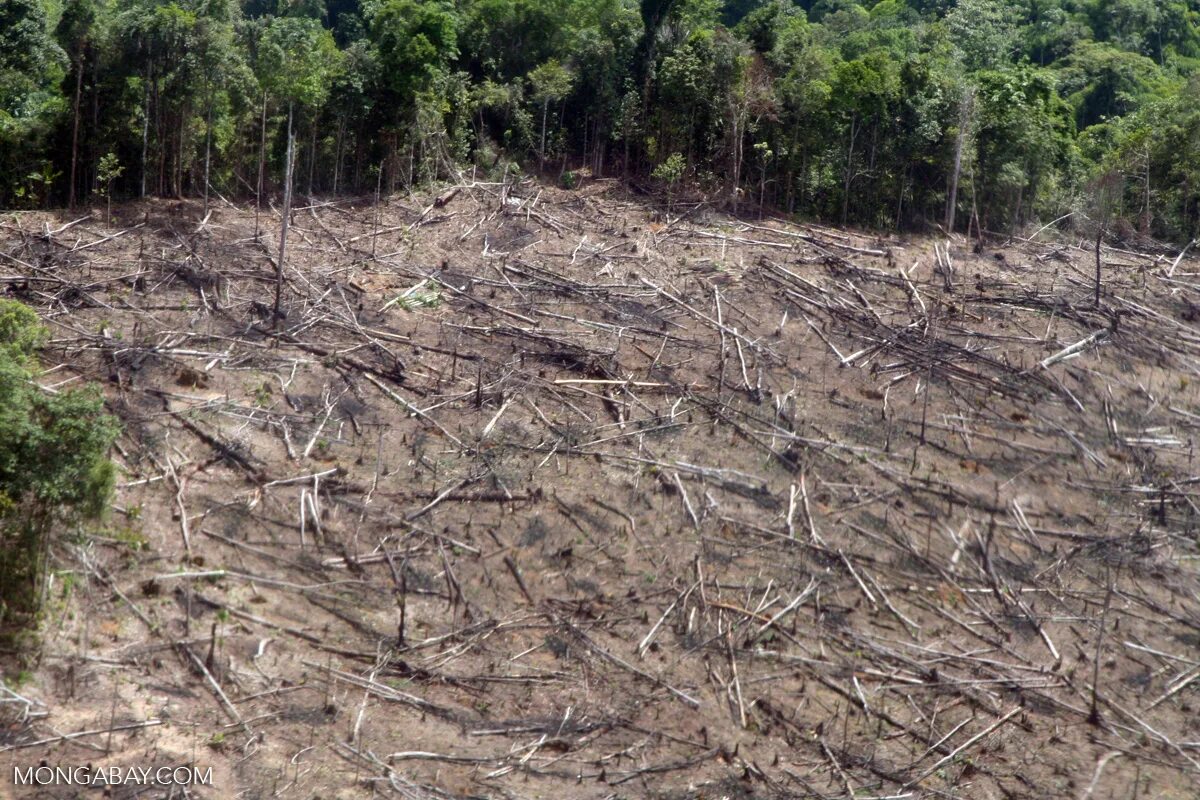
[(287, 213), (738, 136), (177, 173), (964, 118), (161, 141), (378, 191), (75, 132), (262, 158), (145, 135), (849, 170), (542, 149), (1147, 217), (207, 148), (312, 156), (337, 161)]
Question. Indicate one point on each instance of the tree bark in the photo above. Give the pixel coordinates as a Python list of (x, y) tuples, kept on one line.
[(964, 119), (160, 140), (849, 171), (337, 160), (145, 134), (312, 156), (736, 152), (287, 213), (262, 158), (542, 149), (207, 147), (75, 131), (180, 132), (1147, 217), (378, 191)]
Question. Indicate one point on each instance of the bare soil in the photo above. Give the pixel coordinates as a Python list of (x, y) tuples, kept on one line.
[(538, 493)]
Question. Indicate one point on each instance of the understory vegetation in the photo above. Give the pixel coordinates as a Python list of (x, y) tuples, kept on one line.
[(900, 113)]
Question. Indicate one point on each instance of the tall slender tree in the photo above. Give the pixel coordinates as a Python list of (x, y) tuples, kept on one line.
[(298, 64)]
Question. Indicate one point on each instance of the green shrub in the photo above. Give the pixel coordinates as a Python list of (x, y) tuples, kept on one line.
[(21, 334), (670, 172), (54, 469)]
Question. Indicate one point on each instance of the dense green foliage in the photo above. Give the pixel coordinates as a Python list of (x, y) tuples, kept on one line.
[(892, 113), (54, 468)]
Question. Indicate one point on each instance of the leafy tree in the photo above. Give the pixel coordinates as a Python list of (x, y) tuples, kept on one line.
[(416, 42), (549, 83), (54, 468), (602, 41), (804, 69), (353, 103), (983, 33), (864, 90), (110, 169), (1024, 143), (75, 33), (670, 172), (761, 27), (1156, 151), (693, 97), (1050, 30), (504, 40), (841, 17), (298, 63), (1148, 27), (654, 16), (1102, 81), (31, 69)]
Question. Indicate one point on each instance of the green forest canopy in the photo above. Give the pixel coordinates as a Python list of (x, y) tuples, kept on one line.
[(898, 113)]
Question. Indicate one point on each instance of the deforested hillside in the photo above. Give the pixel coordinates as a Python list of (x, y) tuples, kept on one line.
[(531, 492)]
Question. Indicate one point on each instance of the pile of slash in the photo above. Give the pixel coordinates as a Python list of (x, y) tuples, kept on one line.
[(530, 493)]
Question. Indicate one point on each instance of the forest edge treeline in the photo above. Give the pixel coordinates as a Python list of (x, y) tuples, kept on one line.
[(979, 114)]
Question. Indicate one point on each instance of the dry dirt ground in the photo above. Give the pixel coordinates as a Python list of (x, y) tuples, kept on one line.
[(552, 494)]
